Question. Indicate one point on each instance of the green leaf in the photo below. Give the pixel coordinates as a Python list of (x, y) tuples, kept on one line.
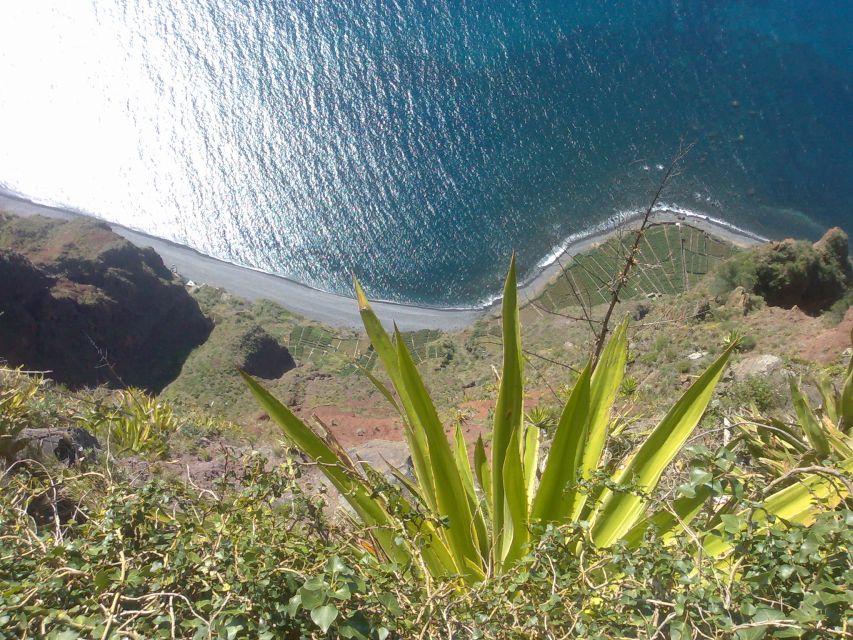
[(324, 616), (481, 469), (618, 511), (293, 605), (450, 495), (516, 533), (847, 402), (509, 412), (603, 387), (413, 431), (352, 489), (808, 421), (531, 461), (460, 454), (666, 522), (555, 497)]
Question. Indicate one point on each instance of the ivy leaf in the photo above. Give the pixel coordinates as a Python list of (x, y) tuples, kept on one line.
[(293, 605), (336, 565), (324, 616), (355, 627)]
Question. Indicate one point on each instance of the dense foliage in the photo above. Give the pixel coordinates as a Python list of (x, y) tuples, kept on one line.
[(259, 560), (448, 526), (792, 272)]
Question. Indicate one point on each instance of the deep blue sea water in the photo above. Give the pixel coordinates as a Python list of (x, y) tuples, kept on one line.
[(418, 142)]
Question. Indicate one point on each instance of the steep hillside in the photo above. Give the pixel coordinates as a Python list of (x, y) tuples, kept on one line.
[(80, 301)]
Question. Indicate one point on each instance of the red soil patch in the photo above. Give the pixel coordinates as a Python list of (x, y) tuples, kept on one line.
[(827, 346)]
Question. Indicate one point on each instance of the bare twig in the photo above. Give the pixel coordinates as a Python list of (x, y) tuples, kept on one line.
[(631, 259)]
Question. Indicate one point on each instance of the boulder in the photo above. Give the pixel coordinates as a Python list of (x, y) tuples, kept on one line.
[(71, 445), (759, 365), (741, 301)]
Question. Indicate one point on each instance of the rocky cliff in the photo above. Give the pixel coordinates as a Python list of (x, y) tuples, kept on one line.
[(86, 304)]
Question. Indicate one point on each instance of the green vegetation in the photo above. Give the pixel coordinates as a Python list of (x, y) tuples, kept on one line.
[(792, 272), (136, 423), (620, 516), (88, 553), (447, 527), (13, 414)]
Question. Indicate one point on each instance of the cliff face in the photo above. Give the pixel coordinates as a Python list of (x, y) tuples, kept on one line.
[(80, 301)]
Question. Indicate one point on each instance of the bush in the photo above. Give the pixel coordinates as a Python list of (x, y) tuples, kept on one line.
[(753, 391), (260, 561), (792, 272)]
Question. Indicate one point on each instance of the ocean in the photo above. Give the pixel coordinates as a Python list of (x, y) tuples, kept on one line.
[(418, 143)]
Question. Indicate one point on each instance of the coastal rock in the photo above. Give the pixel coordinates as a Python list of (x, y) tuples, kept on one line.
[(88, 306)]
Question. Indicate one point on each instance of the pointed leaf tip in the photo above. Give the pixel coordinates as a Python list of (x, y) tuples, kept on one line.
[(360, 296)]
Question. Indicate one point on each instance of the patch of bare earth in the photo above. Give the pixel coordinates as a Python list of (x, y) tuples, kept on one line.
[(828, 345)]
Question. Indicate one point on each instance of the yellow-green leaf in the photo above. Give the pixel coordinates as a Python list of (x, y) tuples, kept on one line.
[(619, 510)]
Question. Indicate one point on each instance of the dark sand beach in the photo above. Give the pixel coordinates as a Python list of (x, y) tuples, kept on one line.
[(341, 311)]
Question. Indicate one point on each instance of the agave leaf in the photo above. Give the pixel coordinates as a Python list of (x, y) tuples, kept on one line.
[(484, 474), (667, 522), (847, 401), (846, 409), (618, 511), (798, 503), (829, 398), (531, 460), (413, 431), (603, 388), (431, 544), (450, 495), (385, 391), (515, 531), (556, 494), (808, 421), (509, 412), (840, 443), (460, 454), (352, 489)]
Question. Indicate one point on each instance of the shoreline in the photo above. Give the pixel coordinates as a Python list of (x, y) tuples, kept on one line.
[(341, 311)]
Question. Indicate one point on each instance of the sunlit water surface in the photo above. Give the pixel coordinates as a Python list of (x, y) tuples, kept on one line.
[(418, 142)]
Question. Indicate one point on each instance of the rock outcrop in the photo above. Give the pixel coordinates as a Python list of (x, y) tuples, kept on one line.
[(260, 355), (793, 273), (85, 304)]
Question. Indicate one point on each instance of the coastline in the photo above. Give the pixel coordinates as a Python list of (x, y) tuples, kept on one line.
[(342, 311)]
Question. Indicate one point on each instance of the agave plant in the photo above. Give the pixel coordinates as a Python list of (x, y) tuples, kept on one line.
[(452, 525), (137, 424), (14, 407), (811, 435)]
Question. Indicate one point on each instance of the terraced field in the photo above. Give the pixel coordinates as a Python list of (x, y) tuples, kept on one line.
[(673, 257)]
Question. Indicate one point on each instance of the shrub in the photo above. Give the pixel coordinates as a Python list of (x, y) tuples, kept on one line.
[(14, 411), (261, 561), (136, 423)]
